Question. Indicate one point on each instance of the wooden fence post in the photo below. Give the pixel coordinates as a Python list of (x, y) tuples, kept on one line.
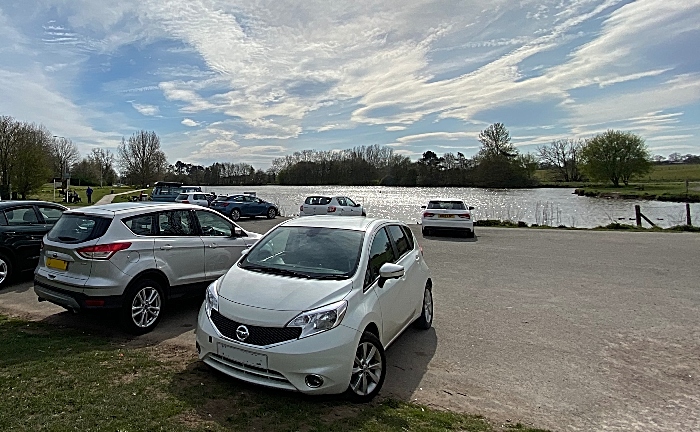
[(638, 215), (687, 215)]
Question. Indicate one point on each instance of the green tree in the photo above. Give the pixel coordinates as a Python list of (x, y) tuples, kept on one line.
[(31, 167), (616, 156), (495, 142)]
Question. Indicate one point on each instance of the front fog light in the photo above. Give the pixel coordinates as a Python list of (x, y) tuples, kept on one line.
[(321, 319)]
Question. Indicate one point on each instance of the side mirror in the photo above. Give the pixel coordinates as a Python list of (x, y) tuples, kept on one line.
[(471, 207), (423, 207), (357, 205), (390, 271), (238, 232)]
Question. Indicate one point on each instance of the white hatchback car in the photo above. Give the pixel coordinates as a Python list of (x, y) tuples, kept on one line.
[(314, 303), (331, 206), (447, 214), (197, 198)]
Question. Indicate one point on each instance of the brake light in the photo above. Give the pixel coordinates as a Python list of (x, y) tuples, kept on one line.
[(428, 214), (95, 303), (102, 252), (301, 208), (185, 202), (464, 216), (331, 209)]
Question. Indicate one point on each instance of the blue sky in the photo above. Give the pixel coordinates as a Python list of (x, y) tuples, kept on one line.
[(249, 81)]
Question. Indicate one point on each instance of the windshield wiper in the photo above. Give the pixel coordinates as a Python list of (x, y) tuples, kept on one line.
[(274, 270), (332, 276)]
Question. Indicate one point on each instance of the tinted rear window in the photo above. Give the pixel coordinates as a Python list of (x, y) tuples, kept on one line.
[(446, 205), (78, 228), (317, 200)]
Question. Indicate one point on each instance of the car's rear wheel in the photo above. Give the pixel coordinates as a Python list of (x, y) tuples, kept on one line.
[(470, 234), (425, 231), (271, 213), (368, 369), (143, 307), (425, 320), (235, 214), (5, 270)]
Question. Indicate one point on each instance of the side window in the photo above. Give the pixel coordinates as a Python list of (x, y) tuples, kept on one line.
[(140, 225), (350, 202), (50, 214), (21, 216), (324, 200), (400, 238), (213, 225), (341, 201), (175, 223), (409, 237), (380, 253)]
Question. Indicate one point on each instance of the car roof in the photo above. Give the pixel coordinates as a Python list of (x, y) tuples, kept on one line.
[(340, 222), (446, 199), (131, 207), (13, 203)]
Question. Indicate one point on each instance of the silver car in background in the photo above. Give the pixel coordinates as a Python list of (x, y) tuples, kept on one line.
[(135, 256), (316, 205)]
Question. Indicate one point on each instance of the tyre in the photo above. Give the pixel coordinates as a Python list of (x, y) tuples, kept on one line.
[(363, 213), (5, 270), (235, 214), (425, 320), (143, 307), (271, 213), (368, 369), (425, 231), (470, 234)]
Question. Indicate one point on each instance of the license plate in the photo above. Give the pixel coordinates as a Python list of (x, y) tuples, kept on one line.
[(242, 356), (445, 216), (56, 263)]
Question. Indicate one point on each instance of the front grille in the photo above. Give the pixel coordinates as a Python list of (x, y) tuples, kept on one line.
[(259, 336)]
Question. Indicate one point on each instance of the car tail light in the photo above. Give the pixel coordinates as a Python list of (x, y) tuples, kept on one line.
[(428, 214), (95, 303), (331, 209), (185, 202), (301, 208), (102, 252), (464, 216)]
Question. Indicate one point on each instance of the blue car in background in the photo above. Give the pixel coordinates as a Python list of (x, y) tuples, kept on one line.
[(237, 206)]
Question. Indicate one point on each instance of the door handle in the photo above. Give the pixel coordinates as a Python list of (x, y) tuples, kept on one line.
[(166, 247)]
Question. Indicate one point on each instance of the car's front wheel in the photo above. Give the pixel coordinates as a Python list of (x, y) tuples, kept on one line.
[(425, 320), (5, 270), (368, 369), (143, 307), (235, 214), (425, 231), (271, 213)]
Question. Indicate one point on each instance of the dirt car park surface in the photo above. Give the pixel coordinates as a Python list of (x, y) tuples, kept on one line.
[(566, 330)]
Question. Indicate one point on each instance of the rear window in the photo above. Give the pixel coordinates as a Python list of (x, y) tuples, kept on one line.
[(141, 225), (446, 205), (317, 200), (78, 228)]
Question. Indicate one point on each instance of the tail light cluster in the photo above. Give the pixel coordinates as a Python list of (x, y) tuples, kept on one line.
[(331, 209), (185, 202), (464, 216), (104, 251), (428, 214), (301, 208)]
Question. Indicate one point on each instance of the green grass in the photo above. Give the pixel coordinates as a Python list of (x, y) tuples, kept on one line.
[(54, 379), (46, 194), (671, 173)]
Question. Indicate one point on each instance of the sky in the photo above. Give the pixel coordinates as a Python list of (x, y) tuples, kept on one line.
[(253, 80)]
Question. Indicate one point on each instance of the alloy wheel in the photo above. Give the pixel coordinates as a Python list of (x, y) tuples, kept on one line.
[(428, 305), (367, 369), (4, 270), (145, 308)]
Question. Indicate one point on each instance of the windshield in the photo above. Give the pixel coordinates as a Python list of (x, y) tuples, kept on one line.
[(446, 205), (307, 252), (78, 228)]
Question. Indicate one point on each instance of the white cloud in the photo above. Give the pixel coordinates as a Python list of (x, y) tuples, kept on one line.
[(436, 136), (147, 110), (395, 128), (189, 122)]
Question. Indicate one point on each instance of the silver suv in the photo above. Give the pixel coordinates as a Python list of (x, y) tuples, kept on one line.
[(134, 256)]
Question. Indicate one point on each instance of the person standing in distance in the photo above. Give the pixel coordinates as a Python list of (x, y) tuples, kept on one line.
[(88, 192)]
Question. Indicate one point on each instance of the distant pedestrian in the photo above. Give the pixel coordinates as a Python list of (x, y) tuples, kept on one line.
[(88, 192)]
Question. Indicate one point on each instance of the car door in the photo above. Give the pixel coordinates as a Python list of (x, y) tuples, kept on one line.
[(352, 208), (179, 249), (222, 246), (413, 282), (23, 234), (201, 199), (390, 291)]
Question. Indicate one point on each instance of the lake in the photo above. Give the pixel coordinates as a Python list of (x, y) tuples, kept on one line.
[(544, 206)]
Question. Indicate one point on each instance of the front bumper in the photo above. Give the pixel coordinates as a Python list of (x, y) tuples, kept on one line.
[(329, 354)]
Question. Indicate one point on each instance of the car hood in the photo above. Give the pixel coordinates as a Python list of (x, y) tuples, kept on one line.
[(280, 293)]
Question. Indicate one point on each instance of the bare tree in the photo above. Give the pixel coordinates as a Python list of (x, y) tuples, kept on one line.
[(64, 154), (564, 156), (103, 160), (141, 158), (495, 142)]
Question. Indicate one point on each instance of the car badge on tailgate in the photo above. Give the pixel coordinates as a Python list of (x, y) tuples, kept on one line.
[(242, 333)]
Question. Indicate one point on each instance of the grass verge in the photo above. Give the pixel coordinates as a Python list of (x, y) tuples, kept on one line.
[(615, 226), (46, 194), (55, 379)]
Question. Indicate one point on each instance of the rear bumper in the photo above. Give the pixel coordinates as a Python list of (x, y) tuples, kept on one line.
[(448, 224), (74, 300)]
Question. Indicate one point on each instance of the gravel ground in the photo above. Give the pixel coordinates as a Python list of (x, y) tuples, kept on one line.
[(567, 330)]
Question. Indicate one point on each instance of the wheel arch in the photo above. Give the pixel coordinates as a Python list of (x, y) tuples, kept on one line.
[(154, 274)]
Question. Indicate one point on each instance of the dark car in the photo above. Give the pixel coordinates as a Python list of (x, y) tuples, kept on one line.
[(22, 226), (235, 206)]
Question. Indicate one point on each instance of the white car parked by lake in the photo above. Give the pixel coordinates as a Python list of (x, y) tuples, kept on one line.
[(197, 198), (313, 305), (331, 206), (447, 214)]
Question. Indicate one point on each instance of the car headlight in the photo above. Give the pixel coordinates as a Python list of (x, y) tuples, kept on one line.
[(321, 319), (211, 298)]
